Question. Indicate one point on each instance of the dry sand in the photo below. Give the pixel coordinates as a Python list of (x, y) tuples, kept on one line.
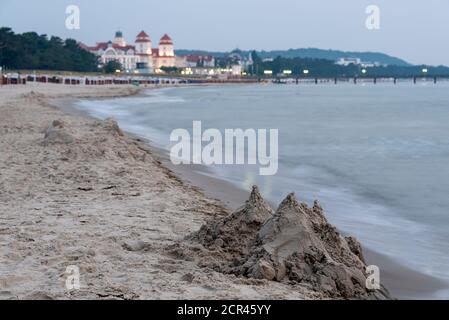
[(89, 196)]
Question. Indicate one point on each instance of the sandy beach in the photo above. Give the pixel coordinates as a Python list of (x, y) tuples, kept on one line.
[(106, 202), (103, 204)]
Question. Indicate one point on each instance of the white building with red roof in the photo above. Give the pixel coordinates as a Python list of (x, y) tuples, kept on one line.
[(140, 56), (164, 55), (195, 60)]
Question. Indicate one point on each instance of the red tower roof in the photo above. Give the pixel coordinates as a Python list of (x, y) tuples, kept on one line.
[(166, 40), (143, 37), (142, 34)]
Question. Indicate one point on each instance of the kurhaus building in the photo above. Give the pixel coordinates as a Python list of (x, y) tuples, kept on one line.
[(139, 56)]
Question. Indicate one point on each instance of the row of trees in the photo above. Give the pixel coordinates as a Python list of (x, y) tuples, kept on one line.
[(316, 67), (38, 52)]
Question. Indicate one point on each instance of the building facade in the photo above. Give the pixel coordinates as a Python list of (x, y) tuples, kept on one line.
[(194, 60), (137, 57)]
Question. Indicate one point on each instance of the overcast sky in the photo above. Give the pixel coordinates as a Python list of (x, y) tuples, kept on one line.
[(416, 31)]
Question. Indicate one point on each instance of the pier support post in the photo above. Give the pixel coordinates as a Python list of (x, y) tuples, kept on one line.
[(435, 80), (355, 80), (395, 80), (375, 80), (316, 80), (335, 80), (414, 80)]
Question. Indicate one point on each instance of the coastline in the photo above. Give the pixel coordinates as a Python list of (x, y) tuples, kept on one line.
[(207, 194)]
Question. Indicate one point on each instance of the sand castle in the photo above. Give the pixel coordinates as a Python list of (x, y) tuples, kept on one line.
[(295, 244)]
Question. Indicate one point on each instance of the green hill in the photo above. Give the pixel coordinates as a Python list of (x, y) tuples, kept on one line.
[(313, 53)]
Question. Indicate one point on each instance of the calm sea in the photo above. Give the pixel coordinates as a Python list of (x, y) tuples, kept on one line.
[(376, 156)]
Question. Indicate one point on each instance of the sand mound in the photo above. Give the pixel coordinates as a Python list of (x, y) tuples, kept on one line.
[(56, 133), (236, 233), (295, 245), (80, 144), (58, 124), (112, 126), (245, 222), (33, 95)]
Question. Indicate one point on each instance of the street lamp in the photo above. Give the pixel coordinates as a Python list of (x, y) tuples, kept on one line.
[(425, 70), (363, 71), (305, 71)]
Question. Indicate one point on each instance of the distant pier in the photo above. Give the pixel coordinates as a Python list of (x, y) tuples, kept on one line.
[(355, 80), (23, 78)]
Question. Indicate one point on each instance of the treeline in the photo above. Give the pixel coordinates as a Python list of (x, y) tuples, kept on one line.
[(311, 53), (316, 67), (38, 52), (328, 68)]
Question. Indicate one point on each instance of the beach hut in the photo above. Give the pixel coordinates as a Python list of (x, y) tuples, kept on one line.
[(15, 78)]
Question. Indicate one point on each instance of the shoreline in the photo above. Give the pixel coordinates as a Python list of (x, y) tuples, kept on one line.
[(401, 281), (200, 190)]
